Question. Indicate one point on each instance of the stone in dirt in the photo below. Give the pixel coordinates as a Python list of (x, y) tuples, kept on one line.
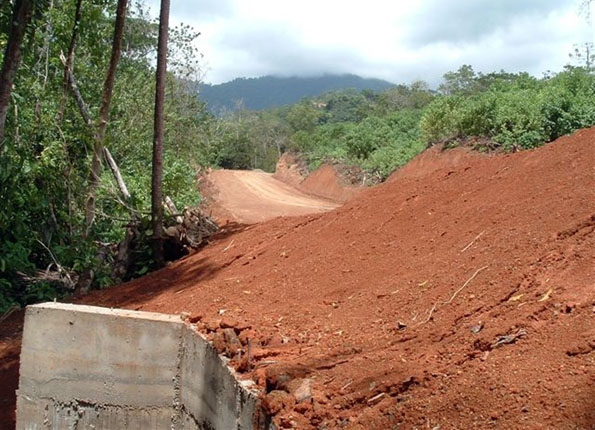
[(301, 389)]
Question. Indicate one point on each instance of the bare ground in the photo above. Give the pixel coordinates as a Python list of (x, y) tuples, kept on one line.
[(458, 295), (248, 197)]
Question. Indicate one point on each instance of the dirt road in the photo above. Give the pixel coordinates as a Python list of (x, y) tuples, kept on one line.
[(253, 196), (459, 294)]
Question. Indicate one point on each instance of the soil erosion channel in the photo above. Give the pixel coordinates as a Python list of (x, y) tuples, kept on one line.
[(252, 196)]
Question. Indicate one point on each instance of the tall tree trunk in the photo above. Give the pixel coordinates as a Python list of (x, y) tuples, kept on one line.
[(21, 15), (157, 191), (106, 99), (70, 58)]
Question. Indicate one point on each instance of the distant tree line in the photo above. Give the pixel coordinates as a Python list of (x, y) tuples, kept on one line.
[(380, 131), (64, 116)]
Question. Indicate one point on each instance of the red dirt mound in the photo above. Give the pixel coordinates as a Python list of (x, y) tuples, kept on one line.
[(463, 297), (291, 169), (433, 159), (325, 182)]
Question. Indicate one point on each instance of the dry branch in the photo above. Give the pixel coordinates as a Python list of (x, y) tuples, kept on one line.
[(116, 172), (78, 97), (173, 211), (453, 296), (472, 242), (63, 274), (80, 101)]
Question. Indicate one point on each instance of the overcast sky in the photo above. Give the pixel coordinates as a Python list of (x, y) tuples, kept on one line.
[(397, 40)]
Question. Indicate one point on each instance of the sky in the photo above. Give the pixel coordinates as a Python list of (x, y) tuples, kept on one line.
[(400, 41)]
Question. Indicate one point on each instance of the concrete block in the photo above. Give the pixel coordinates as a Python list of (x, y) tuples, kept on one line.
[(210, 391), (87, 367), (98, 355)]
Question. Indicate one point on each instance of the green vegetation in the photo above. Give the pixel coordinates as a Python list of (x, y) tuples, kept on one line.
[(268, 92), (513, 112), (45, 157), (382, 131)]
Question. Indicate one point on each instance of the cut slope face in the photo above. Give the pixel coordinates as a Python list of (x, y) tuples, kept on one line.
[(462, 296), (325, 182), (248, 197)]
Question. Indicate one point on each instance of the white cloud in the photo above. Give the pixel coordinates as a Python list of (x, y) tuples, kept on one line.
[(398, 40)]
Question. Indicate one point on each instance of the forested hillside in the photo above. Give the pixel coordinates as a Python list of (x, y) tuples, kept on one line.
[(64, 212), (270, 91), (381, 131)]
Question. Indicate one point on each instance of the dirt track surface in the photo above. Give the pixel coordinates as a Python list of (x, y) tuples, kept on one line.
[(458, 295), (248, 197)]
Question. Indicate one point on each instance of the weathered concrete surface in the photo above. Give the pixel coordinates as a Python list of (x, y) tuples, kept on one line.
[(87, 367), (210, 393)]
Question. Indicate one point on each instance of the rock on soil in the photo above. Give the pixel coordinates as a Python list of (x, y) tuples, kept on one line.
[(378, 303)]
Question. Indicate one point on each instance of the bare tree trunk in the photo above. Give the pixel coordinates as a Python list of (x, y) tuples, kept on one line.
[(106, 99), (117, 175), (70, 58), (157, 179), (80, 102), (21, 15), (84, 111)]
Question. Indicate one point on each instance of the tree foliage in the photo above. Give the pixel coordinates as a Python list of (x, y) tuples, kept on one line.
[(47, 152), (45, 161), (516, 112)]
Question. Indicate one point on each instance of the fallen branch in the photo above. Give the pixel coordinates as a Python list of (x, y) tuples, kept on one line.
[(78, 97), (508, 339), (84, 111), (453, 296), (228, 246), (472, 242), (116, 172), (9, 312), (173, 211), (61, 271)]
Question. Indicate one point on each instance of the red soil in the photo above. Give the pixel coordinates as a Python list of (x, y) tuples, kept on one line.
[(460, 294), (324, 182), (247, 197), (10, 348)]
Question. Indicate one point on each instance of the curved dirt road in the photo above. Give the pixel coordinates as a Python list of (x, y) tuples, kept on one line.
[(248, 197)]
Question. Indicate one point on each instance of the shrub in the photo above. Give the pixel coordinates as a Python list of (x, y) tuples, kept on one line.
[(519, 112), (441, 119)]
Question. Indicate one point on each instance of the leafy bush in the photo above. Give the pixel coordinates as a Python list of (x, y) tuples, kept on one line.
[(441, 119), (378, 144), (385, 160), (518, 120), (517, 113)]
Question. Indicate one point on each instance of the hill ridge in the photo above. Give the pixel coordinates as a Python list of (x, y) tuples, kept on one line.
[(274, 91)]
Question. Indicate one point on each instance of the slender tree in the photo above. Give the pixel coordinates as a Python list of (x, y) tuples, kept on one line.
[(21, 15), (157, 179), (106, 99), (70, 58)]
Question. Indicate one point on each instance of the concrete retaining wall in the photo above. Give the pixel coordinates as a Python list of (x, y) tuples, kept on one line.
[(85, 367)]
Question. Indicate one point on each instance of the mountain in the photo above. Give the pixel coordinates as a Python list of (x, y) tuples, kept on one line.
[(270, 91)]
